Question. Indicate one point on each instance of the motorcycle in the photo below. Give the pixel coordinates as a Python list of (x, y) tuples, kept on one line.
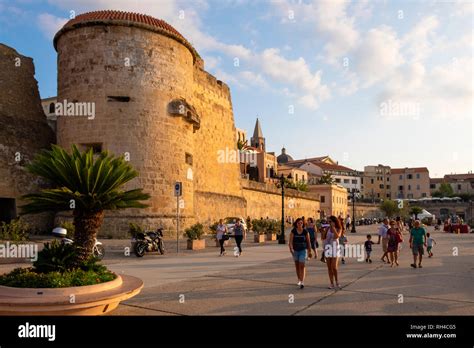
[(148, 241), (98, 250)]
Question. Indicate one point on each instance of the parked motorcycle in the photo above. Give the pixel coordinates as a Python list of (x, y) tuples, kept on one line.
[(148, 241), (98, 251)]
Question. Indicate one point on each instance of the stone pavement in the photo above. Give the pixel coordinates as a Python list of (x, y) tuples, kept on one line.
[(263, 282)]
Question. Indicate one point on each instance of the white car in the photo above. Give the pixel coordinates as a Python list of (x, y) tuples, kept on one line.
[(230, 223)]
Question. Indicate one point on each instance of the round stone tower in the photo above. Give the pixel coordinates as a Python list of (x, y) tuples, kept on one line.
[(124, 83)]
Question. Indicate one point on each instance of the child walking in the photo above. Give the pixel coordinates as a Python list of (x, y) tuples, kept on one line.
[(429, 243), (342, 243), (368, 248)]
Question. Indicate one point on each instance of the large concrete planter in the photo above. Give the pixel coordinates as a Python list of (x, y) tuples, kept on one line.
[(196, 244), (271, 236), (259, 238), (81, 300)]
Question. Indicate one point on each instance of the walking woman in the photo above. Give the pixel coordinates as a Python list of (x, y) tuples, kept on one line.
[(239, 235), (300, 248), (332, 250), (220, 232), (394, 238), (313, 237)]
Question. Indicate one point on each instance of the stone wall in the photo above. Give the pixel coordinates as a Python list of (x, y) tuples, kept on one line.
[(365, 210), (92, 67), (162, 146), (265, 200), (23, 131)]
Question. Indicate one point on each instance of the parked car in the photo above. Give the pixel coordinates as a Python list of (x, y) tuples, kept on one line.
[(230, 222)]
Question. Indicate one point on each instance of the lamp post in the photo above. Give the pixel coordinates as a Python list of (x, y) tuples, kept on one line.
[(353, 195), (282, 240)]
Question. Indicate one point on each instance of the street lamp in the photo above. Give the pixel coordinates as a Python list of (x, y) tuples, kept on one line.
[(353, 195), (282, 240)]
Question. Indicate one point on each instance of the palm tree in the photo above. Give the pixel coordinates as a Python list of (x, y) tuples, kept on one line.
[(86, 184), (326, 179), (415, 211)]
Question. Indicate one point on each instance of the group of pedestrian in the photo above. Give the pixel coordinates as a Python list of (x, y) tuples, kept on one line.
[(303, 246), (222, 234)]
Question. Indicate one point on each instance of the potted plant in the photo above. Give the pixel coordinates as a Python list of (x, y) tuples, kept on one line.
[(258, 231), (194, 234), (88, 185), (272, 229)]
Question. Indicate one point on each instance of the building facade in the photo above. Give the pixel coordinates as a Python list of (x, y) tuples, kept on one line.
[(318, 166), (333, 199), (460, 183), (297, 174), (23, 133), (407, 183), (376, 183)]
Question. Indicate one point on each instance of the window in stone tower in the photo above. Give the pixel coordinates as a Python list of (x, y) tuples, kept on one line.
[(189, 159), (7, 209), (96, 147), (118, 98)]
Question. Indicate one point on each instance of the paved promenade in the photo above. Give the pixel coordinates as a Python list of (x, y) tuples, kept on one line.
[(263, 282)]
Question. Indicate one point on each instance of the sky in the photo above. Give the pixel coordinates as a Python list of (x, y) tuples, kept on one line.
[(365, 82)]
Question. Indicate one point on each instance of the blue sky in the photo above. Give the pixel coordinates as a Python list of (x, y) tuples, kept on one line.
[(344, 68)]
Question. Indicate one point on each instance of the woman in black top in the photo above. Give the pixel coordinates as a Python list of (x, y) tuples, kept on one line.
[(300, 248)]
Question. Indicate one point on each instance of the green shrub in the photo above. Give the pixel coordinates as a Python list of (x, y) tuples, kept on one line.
[(274, 226), (259, 226), (134, 229), (56, 257), (194, 232), (70, 228), (213, 229), (28, 278), (16, 230)]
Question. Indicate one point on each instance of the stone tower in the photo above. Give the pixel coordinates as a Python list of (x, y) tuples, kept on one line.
[(155, 104), (258, 141), (23, 132)]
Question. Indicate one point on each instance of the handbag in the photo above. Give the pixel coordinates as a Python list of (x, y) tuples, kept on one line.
[(225, 236)]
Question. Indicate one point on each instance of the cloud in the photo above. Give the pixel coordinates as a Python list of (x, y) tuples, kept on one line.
[(377, 56), (50, 24), (417, 42), (253, 79), (329, 20), (298, 74), (295, 74)]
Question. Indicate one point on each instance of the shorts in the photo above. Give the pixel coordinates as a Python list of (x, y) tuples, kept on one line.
[(418, 249), (428, 249), (314, 244), (368, 252), (384, 244), (300, 255)]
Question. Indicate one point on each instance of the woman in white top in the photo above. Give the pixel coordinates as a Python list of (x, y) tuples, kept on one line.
[(332, 249), (220, 231)]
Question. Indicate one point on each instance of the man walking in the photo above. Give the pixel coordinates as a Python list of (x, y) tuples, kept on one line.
[(348, 222), (383, 229), (417, 242)]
